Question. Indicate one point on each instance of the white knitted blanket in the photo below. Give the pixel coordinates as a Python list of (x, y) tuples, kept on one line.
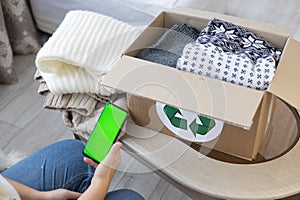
[(82, 50)]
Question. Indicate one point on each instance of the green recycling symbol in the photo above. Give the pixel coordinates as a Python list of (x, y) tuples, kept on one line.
[(206, 123), (175, 121)]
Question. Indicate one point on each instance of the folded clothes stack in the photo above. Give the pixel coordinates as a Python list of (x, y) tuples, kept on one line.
[(73, 62), (222, 50)]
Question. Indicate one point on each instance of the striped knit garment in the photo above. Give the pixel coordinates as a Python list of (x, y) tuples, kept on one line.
[(81, 51)]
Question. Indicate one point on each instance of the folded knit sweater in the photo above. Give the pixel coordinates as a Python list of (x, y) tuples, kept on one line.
[(81, 51)]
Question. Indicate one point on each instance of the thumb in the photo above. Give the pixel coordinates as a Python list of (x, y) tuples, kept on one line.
[(113, 158), (115, 148)]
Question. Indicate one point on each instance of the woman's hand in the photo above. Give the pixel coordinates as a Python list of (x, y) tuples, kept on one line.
[(26, 192), (107, 168), (103, 174), (59, 194)]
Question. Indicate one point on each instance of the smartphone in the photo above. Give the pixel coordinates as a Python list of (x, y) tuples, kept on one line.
[(105, 133)]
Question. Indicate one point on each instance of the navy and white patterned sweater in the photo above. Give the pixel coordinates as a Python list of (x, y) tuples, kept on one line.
[(230, 53)]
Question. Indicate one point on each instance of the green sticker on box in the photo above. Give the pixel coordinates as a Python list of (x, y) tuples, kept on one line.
[(189, 125)]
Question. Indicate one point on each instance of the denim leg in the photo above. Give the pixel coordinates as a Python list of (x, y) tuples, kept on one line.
[(59, 165), (123, 194)]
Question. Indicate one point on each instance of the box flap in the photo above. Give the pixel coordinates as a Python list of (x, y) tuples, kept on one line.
[(287, 77), (228, 102)]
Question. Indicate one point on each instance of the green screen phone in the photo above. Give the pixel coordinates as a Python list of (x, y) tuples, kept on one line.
[(105, 132)]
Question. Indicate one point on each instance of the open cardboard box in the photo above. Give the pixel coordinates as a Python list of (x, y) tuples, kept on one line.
[(245, 112)]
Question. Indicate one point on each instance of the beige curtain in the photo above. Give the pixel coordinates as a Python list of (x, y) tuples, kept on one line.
[(18, 35)]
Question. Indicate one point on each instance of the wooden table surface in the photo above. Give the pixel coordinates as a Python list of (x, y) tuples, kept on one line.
[(198, 174)]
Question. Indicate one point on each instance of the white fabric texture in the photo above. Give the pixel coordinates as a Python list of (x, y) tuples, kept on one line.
[(49, 14), (81, 51), (7, 192), (210, 60)]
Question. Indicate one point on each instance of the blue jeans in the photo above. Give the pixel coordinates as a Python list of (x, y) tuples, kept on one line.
[(60, 165)]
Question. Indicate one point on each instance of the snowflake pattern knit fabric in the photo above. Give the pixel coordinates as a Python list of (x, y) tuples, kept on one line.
[(212, 61), (235, 39), (230, 53)]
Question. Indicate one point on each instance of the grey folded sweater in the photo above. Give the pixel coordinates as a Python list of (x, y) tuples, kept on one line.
[(168, 48)]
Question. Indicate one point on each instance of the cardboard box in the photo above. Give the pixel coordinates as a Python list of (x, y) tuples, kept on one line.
[(244, 111)]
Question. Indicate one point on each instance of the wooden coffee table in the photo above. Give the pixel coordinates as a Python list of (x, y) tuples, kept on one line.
[(274, 174)]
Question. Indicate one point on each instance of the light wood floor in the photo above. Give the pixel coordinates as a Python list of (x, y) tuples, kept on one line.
[(26, 127)]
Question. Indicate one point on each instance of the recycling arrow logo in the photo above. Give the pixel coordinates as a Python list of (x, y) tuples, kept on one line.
[(175, 121), (189, 125), (203, 128)]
